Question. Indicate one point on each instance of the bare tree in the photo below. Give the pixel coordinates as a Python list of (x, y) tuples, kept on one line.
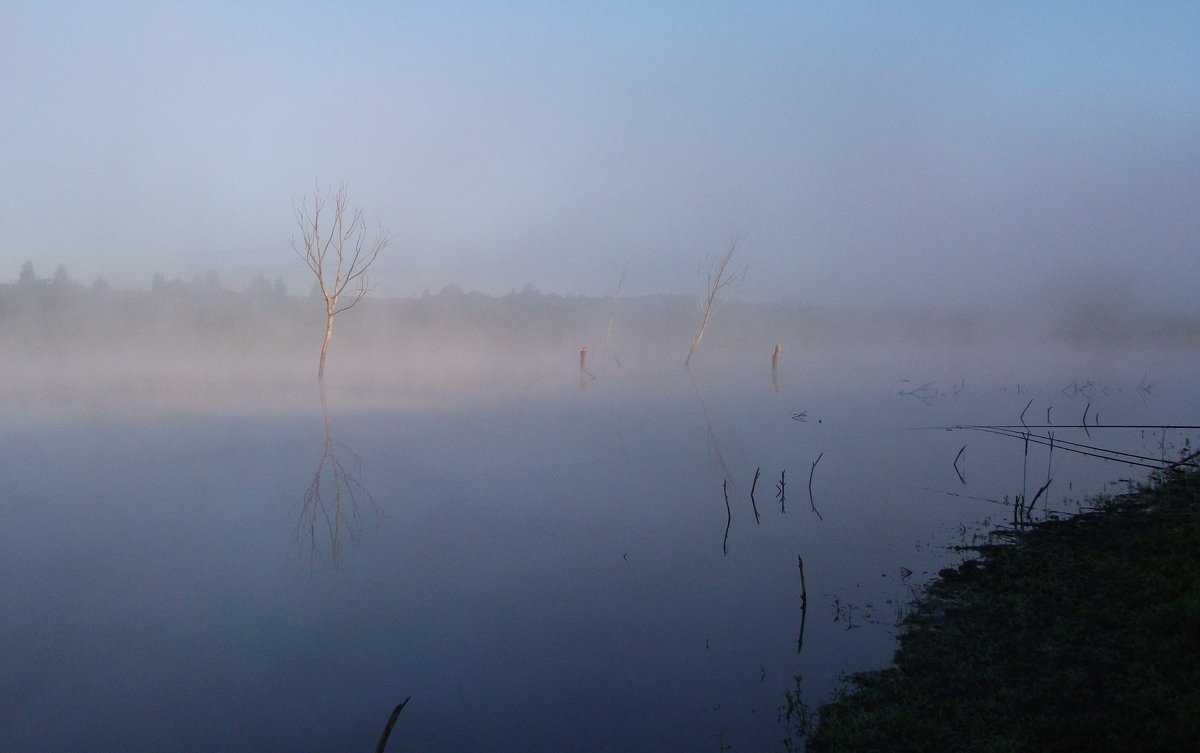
[(335, 245), (719, 276)]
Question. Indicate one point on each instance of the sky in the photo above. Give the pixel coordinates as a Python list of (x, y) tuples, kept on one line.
[(892, 152)]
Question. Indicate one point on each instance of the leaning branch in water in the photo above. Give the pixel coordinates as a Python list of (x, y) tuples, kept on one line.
[(391, 722), (810, 478)]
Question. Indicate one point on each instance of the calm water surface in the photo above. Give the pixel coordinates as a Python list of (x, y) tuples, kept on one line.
[(540, 563)]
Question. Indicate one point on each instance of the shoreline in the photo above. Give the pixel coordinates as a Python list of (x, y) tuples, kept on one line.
[(1080, 633)]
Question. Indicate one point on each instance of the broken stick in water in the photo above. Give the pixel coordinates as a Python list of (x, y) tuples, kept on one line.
[(391, 722)]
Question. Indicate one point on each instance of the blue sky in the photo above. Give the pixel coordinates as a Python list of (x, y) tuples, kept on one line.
[(909, 152)]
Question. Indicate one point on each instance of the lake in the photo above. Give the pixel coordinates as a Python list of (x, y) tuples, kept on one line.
[(541, 558)]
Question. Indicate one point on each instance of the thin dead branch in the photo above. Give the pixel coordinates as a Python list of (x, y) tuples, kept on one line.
[(718, 276)]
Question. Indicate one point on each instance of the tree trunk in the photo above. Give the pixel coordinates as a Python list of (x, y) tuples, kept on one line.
[(325, 347)]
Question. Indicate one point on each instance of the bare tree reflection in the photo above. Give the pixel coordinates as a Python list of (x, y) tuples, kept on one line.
[(715, 447), (331, 511), (708, 425)]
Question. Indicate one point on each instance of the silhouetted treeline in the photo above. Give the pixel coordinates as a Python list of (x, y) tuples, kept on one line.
[(58, 313)]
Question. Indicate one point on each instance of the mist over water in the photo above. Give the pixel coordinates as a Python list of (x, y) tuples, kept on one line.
[(521, 509), (207, 346), (193, 550)]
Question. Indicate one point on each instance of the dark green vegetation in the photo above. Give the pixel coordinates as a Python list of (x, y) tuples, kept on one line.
[(1077, 634)]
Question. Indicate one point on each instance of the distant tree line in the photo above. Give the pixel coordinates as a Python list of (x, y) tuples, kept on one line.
[(39, 311), (259, 285), (58, 311)]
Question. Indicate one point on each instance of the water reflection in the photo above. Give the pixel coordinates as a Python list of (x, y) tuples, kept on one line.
[(715, 446), (708, 425), (775, 368), (330, 512)]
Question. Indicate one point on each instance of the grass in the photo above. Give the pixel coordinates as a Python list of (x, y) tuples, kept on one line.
[(1075, 634)]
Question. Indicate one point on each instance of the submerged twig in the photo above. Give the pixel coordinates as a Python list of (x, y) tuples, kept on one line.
[(781, 491), (956, 459), (753, 504), (803, 605), (810, 478), (728, 516)]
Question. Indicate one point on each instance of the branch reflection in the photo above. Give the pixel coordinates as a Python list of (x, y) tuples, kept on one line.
[(330, 512)]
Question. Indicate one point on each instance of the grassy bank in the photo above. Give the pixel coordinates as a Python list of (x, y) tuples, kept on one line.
[(1079, 634)]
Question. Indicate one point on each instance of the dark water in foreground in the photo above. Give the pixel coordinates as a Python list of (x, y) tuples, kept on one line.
[(539, 565)]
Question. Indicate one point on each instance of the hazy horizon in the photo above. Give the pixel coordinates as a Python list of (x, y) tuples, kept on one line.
[(912, 153)]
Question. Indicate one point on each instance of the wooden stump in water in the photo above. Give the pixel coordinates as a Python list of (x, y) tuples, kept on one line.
[(584, 374)]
